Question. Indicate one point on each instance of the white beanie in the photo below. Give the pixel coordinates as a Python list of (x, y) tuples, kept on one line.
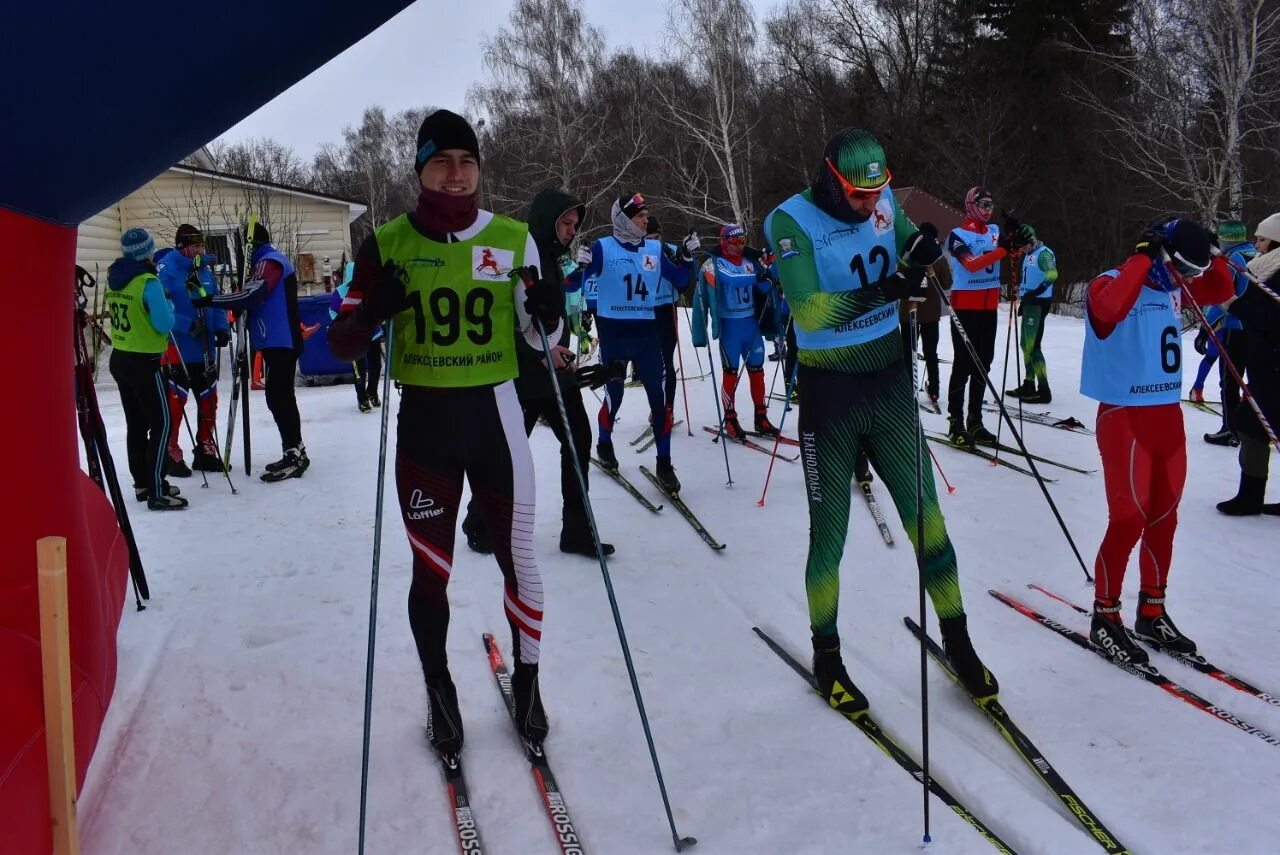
[(1269, 228)]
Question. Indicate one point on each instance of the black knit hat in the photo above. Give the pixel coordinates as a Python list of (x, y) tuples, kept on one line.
[(187, 235), (444, 130), (632, 205), (260, 235)]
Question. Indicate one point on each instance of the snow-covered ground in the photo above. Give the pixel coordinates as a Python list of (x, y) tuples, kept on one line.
[(236, 722)]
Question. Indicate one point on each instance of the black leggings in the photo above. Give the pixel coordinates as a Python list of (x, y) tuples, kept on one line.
[(666, 317), (367, 379), (278, 367), (980, 324), (144, 397)]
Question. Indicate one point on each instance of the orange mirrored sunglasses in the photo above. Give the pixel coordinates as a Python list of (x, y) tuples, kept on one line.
[(864, 192)]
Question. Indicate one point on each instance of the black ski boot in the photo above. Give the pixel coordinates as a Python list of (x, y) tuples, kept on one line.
[(294, 463), (206, 461), (531, 718), (980, 435), (666, 475), (578, 541), (1041, 396), (732, 427), (764, 427), (957, 435), (1026, 390), (1222, 437), (444, 719), (604, 451), (477, 534), (363, 403), (166, 503), (1248, 502), (1157, 627), (176, 467), (1109, 635), (143, 494), (974, 676), (374, 399), (833, 682)]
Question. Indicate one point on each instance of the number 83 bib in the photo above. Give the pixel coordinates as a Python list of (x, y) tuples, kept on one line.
[(459, 329)]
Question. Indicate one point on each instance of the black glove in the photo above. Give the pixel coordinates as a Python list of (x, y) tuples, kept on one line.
[(202, 301), (221, 338), (542, 300), (922, 248), (1151, 244), (587, 319), (386, 298), (1020, 236), (1202, 342), (591, 376), (908, 283)]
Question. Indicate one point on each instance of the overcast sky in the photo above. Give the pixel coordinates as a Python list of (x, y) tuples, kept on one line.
[(429, 54)]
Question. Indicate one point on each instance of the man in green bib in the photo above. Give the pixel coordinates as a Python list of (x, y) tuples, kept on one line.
[(846, 255), (442, 274), (141, 320)]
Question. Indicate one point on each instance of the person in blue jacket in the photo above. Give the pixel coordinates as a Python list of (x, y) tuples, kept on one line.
[(197, 334), (271, 298), (1230, 332), (733, 289), (141, 320), (369, 369)]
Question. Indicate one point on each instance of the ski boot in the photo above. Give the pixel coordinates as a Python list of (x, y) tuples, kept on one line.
[(175, 466), (292, 465), (166, 503), (363, 403), (374, 400), (604, 451), (973, 675), (1154, 624), (1109, 635), (957, 435), (980, 435), (1027, 389), (1040, 396), (763, 426), (666, 475), (1196, 395), (1247, 502), (444, 719), (1222, 437), (531, 718), (477, 535), (833, 681), (732, 427), (206, 459), (143, 494), (580, 542)]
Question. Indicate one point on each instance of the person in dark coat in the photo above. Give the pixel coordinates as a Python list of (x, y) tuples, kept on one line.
[(554, 219)]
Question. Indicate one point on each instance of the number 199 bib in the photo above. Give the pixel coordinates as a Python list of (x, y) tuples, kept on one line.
[(459, 329)]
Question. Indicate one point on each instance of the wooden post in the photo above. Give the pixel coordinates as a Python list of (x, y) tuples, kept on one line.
[(59, 729)]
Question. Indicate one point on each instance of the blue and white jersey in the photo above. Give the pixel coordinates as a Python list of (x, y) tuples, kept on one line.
[(628, 279), (1032, 276), (666, 294), (735, 287), (1140, 363), (977, 244)]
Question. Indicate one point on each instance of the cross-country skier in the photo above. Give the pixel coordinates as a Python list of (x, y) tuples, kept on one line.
[(974, 251), (1132, 367), (1231, 332), (453, 350), (198, 334), (1035, 298), (271, 298), (1261, 316), (628, 267), (368, 370), (554, 218), (846, 255), (141, 319), (727, 290)]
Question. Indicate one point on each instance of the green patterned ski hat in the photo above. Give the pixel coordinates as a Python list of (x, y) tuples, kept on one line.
[(1232, 231), (859, 158)]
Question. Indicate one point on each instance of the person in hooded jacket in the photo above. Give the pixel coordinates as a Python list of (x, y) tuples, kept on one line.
[(197, 334), (1231, 334), (366, 372), (554, 219), (141, 319)]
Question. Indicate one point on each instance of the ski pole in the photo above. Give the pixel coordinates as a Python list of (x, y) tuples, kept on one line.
[(773, 458), (684, 389), (1246, 273), (716, 392), (938, 466), (214, 436), (919, 550), (689, 323), (186, 421), (1004, 413), (1004, 378), (373, 586), (679, 842)]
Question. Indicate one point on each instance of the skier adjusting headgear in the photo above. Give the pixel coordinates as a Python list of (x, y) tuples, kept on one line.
[(442, 274), (843, 281), (730, 288), (1132, 367)]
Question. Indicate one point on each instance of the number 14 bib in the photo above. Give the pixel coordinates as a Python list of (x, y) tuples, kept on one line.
[(628, 280)]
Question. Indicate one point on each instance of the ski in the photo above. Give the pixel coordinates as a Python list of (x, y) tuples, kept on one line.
[(1026, 749), (652, 440), (930, 406), (876, 513), (886, 743), (465, 829), (622, 482), (1010, 449), (1147, 672), (1191, 660), (647, 432), (1070, 423), (751, 444), (1202, 406), (981, 452), (552, 799), (683, 509), (784, 440)]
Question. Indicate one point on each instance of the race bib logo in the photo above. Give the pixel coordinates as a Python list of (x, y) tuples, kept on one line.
[(649, 263), (882, 216), (488, 262)]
